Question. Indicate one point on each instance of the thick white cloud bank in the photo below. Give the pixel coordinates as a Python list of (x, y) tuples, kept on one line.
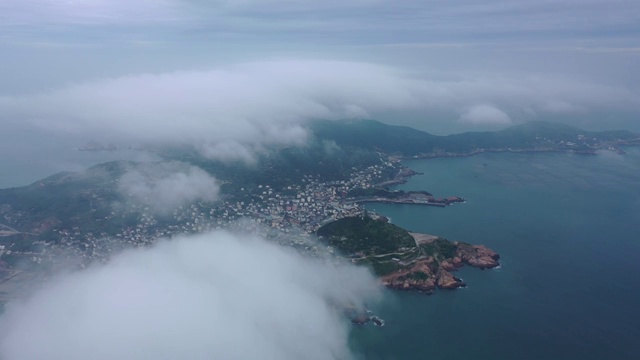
[(230, 111), (212, 296), (233, 111), (165, 186)]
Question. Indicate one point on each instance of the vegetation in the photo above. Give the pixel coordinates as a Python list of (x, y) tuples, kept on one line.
[(281, 167), (371, 134), (382, 268), (65, 199), (417, 275), (86, 199), (439, 248), (364, 234)]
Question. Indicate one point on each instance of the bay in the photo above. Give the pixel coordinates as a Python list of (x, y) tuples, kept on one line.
[(568, 229)]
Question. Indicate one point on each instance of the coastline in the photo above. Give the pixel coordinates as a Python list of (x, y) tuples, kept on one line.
[(432, 155), (484, 151), (407, 173), (431, 271), (392, 201), (525, 290)]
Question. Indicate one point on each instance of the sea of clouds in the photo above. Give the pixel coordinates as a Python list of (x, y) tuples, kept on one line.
[(210, 296)]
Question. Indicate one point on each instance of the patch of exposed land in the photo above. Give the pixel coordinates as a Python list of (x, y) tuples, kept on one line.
[(422, 238)]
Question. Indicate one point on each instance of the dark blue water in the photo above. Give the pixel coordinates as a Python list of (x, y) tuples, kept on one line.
[(568, 230)]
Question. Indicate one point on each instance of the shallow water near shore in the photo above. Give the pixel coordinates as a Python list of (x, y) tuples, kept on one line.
[(567, 227)]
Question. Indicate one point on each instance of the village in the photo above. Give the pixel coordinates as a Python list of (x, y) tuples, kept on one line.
[(288, 215)]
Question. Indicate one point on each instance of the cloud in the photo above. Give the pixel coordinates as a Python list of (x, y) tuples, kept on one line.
[(231, 112), (447, 17), (231, 150), (248, 105), (89, 12), (484, 114), (563, 107), (211, 296), (165, 186), (448, 20), (526, 24)]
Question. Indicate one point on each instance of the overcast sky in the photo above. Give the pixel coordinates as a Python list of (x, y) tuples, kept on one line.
[(485, 49), (235, 75)]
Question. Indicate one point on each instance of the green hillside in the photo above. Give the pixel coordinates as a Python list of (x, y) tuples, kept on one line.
[(364, 234), (406, 141)]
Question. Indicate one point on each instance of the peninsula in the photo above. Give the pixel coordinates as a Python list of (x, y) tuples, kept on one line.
[(403, 260)]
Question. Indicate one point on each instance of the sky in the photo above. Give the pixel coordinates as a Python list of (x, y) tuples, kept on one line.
[(232, 77), (459, 65)]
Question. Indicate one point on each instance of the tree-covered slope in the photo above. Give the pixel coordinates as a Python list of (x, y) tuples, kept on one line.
[(406, 141), (364, 234)]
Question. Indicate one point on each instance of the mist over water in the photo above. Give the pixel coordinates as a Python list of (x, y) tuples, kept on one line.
[(566, 227), (30, 156)]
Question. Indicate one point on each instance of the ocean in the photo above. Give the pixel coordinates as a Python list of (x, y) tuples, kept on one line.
[(567, 228), (22, 162)]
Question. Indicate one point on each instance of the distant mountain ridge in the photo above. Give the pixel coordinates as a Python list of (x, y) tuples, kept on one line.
[(406, 141)]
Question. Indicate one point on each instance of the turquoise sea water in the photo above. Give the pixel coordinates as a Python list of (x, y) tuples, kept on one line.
[(568, 230)]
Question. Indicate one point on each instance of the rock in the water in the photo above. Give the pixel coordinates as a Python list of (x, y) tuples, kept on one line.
[(478, 256), (361, 319), (446, 280)]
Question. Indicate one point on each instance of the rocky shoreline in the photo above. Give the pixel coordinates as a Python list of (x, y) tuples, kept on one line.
[(429, 273)]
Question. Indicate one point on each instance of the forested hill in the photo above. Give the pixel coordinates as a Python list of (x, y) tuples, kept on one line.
[(538, 135)]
